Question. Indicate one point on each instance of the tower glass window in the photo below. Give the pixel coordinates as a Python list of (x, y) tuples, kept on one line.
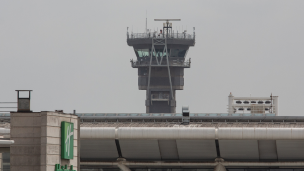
[(178, 52), (142, 52), (159, 53)]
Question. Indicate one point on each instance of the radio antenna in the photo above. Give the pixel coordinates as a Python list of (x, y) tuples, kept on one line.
[(146, 22), (167, 25)]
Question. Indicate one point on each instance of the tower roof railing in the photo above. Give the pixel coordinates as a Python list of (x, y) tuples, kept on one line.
[(159, 35), (173, 63)]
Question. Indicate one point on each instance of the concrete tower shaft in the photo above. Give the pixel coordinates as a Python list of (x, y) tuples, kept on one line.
[(161, 59)]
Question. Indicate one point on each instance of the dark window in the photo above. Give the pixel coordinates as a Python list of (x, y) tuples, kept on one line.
[(178, 52), (174, 52), (185, 114), (182, 53)]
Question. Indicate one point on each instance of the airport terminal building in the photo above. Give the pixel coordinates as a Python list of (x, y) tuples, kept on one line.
[(251, 136), (156, 141)]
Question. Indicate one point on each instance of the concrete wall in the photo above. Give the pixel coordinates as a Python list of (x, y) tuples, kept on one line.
[(37, 141)]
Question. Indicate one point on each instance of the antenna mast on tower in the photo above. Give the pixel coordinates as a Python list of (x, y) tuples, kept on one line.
[(146, 22), (167, 25)]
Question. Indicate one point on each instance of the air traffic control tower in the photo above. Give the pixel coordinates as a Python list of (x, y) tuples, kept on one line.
[(161, 59)]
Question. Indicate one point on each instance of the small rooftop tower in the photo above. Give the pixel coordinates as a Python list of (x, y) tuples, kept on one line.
[(161, 59), (253, 104)]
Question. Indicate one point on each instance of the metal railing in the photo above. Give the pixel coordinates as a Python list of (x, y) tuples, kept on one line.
[(177, 63), (7, 107), (158, 35)]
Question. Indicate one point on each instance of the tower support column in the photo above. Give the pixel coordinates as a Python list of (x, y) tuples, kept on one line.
[(219, 167)]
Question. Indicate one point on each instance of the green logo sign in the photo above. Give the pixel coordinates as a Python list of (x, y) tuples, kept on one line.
[(63, 168), (67, 140)]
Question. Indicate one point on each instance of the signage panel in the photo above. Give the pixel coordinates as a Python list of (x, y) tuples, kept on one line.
[(67, 140), (63, 168)]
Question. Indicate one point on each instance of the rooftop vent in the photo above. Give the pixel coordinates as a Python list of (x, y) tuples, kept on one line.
[(24, 102)]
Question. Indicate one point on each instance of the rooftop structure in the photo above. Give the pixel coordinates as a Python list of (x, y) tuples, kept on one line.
[(161, 59), (253, 104)]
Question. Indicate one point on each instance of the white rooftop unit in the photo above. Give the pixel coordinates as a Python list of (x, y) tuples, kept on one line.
[(253, 104)]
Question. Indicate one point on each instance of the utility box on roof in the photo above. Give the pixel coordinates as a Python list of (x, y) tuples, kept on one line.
[(24, 103)]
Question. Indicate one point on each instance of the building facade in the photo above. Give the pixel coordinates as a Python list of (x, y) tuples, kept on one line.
[(161, 141)]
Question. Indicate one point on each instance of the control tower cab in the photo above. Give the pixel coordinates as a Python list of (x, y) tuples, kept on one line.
[(161, 59)]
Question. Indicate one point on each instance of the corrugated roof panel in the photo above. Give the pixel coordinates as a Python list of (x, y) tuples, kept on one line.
[(239, 149), (140, 149), (290, 149), (168, 149), (196, 149), (96, 149)]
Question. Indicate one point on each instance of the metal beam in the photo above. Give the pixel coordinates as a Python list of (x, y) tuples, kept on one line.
[(118, 148), (198, 164), (217, 145), (168, 64), (148, 89), (123, 167), (7, 142)]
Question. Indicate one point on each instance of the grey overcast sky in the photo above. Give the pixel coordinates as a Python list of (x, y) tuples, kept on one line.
[(73, 54)]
